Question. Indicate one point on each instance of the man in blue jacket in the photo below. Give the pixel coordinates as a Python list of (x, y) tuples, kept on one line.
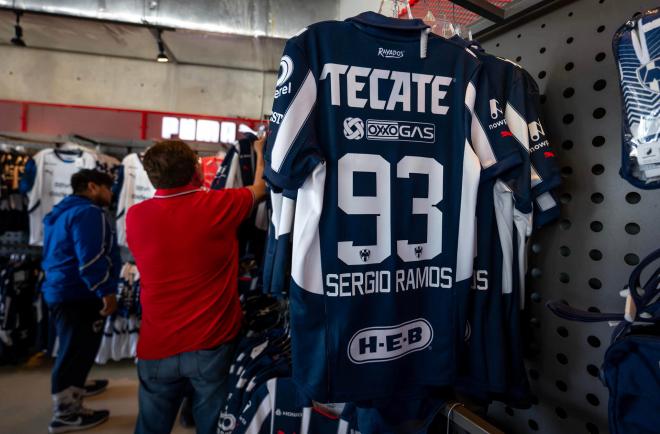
[(82, 264)]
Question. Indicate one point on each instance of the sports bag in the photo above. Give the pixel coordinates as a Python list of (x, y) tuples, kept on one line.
[(631, 367)]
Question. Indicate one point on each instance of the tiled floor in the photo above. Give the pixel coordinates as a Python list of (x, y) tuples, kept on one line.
[(25, 405)]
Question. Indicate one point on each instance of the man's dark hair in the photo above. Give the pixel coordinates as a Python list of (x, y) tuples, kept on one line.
[(81, 179), (170, 164)]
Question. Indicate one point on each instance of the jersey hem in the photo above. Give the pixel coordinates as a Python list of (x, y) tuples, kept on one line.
[(511, 160)]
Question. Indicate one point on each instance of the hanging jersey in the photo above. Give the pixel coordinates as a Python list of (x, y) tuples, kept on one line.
[(318, 421), (135, 188), (121, 329), (210, 167), (107, 164), (274, 408), (50, 182), (492, 335), (229, 174), (384, 147)]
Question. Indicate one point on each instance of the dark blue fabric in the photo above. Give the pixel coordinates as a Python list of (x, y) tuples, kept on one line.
[(220, 180), (79, 327), (27, 179), (397, 416), (165, 382), (631, 373), (81, 256), (630, 367)]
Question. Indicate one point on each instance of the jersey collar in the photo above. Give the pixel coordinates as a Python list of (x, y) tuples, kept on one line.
[(165, 193)]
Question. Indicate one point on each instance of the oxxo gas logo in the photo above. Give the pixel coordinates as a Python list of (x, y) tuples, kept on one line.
[(382, 344), (353, 128), (649, 75), (286, 69), (400, 130)]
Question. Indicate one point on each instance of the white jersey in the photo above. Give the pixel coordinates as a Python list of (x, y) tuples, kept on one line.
[(51, 184), (135, 188)]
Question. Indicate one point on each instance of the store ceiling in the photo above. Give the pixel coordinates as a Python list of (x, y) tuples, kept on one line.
[(52, 32), (241, 34)]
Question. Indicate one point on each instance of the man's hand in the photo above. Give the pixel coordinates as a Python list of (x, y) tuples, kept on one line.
[(109, 305), (259, 145)]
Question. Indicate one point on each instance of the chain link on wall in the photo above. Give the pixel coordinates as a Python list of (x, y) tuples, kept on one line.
[(607, 226)]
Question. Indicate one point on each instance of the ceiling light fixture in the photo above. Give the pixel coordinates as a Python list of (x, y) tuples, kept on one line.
[(18, 32), (162, 57)]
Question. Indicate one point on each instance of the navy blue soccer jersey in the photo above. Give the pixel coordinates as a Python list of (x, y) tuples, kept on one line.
[(492, 353), (274, 408), (381, 137)]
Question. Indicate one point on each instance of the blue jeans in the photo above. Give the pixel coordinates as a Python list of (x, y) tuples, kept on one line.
[(165, 382)]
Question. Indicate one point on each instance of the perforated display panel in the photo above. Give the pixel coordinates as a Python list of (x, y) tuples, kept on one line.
[(607, 225)]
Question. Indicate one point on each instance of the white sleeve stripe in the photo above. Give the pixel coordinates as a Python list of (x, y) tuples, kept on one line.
[(545, 201), (286, 216), (520, 131), (294, 119), (503, 201), (467, 218), (272, 397), (306, 418), (276, 202), (536, 177), (260, 416), (343, 427), (479, 139), (517, 125)]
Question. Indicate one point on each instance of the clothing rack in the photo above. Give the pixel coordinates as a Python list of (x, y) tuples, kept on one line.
[(460, 416), (40, 141)]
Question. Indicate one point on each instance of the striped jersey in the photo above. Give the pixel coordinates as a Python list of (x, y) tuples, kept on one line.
[(378, 143)]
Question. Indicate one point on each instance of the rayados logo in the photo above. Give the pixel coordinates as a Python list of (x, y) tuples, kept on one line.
[(391, 54), (382, 344)]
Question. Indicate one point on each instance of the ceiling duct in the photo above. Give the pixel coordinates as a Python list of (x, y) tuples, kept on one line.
[(269, 18)]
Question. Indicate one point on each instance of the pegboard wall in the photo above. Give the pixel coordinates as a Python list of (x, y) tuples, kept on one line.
[(607, 226)]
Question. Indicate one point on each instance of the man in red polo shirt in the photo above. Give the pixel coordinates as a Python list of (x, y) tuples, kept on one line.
[(185, 247)]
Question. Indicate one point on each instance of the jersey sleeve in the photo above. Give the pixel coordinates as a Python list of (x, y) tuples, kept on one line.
[(538, 174), (546, 209), (292, 151), (545, 173), (278, 255), (29, 175), (257, 413), (495, 148), (118, 184)]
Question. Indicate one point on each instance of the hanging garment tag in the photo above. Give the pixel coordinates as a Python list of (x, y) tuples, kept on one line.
[(423, 43), (648, 153)]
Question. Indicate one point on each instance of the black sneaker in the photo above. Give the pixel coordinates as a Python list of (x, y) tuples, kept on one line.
[(94, 387), (83, 419)]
